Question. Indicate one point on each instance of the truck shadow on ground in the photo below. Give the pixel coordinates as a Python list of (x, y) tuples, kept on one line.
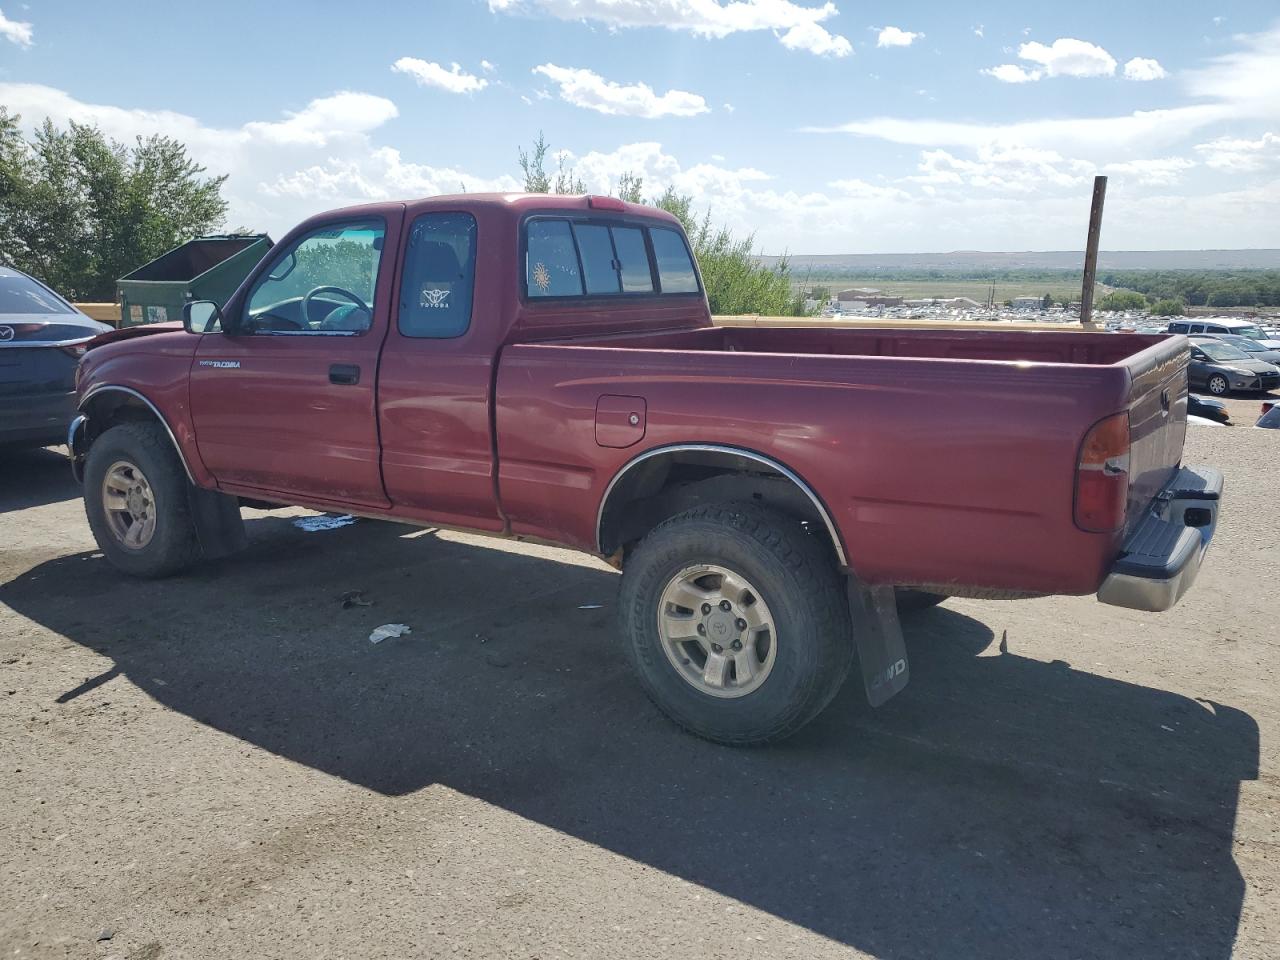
[(34, 477), (1000, 807)]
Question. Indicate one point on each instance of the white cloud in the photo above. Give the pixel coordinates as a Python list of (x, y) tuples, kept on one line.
[(487, 67), (796, 25), (428, 74), (1012, 73), (1010, 168), (1144, 68), (587, 89), (729, 108), (1154, 172), (381, 174), (16, 31), (327, 118), (1068, 57), (977, 31), (1241, 85), (894, 37), (1239, 155), (815, 40)]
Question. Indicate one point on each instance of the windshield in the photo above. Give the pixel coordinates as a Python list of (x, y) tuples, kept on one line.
[(1244, 343), (1253, 333), (19, 294), (1222, 351)]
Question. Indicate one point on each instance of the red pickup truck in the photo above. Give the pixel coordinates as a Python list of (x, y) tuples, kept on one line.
[(546, 367)]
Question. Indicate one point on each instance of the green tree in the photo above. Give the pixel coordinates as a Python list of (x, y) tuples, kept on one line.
[(630, 188), (1122, 300), (536, 178), (1168, 307), (1046, 301), (80, 211)]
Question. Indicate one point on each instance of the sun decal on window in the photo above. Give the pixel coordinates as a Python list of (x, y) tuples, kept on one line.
[(541, 277)]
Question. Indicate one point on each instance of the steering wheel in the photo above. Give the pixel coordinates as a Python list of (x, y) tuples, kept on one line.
[(306, 301)]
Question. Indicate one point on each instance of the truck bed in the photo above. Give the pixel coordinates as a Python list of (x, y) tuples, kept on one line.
[(904, 433)]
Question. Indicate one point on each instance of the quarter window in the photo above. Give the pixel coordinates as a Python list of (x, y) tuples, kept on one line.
[(439, 276)]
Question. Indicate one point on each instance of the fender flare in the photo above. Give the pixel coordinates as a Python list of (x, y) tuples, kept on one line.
[(111, 387), (743, 452)]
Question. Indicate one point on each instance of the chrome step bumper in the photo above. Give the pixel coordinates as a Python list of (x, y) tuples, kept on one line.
[(1161, 557)]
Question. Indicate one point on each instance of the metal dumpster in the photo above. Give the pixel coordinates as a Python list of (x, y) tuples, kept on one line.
[(207, 268)]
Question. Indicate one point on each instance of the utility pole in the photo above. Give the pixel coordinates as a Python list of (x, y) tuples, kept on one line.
[(1091, 252)]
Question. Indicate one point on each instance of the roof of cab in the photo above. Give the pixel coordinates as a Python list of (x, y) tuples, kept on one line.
[(518, 204)]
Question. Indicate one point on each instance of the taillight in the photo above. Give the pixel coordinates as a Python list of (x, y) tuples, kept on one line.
[(74, 349), (1102, 475)]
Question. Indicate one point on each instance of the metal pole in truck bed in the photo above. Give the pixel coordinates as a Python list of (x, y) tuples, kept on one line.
[(1091, 251)]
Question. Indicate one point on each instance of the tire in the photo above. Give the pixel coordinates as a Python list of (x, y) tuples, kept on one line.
[(791, 577), (138, 456), (1218, 385), (910, 601)]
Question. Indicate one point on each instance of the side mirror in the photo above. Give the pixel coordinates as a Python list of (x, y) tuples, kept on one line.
[(201, 316)]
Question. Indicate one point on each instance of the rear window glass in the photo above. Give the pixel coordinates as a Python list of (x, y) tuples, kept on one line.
[(567, 258), (20, 294), (675, 268), (439, 276), (633, 261), (552, 261), (596, 250)]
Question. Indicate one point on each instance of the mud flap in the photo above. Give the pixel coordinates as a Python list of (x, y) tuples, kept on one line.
[(219, 525), (877, 635)]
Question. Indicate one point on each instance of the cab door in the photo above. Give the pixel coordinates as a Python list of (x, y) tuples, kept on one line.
[(284, 401)]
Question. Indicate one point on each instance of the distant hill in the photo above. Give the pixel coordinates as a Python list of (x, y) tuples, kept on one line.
[(979, 261)]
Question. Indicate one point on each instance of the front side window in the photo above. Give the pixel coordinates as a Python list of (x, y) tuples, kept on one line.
[(324, 283), (439, 276)]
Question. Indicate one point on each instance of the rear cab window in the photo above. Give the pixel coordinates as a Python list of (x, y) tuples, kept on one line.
[(593, 257)]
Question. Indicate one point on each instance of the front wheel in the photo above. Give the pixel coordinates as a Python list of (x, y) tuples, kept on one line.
[(736, 623), (135, 496), (1218, 385)]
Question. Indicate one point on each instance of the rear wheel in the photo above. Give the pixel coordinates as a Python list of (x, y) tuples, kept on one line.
[(1218, 385), (736, 623), (135, 496)]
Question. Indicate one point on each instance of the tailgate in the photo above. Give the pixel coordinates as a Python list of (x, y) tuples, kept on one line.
[(1157, 420)]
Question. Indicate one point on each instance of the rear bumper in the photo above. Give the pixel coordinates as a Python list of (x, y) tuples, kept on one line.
[(1161, 557), (39, 418)]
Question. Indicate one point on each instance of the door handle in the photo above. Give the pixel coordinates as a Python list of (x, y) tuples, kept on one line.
[(347, 374)]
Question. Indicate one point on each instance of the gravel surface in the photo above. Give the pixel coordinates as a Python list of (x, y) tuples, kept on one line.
[(223, 765)]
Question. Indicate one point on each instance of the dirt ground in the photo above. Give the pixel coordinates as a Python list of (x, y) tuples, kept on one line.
[(222, 765)]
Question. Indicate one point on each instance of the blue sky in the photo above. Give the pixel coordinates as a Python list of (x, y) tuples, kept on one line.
[(823, 127)]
